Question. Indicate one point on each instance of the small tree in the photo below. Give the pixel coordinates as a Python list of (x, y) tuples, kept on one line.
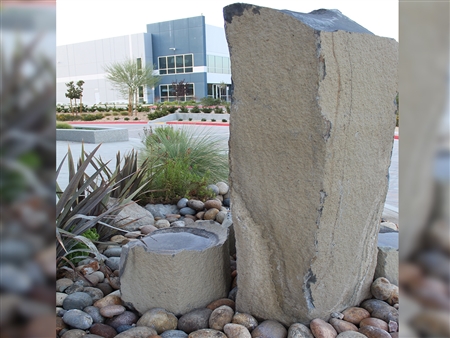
[(71, 94), (127, 77), (179, 89), (79, 91)]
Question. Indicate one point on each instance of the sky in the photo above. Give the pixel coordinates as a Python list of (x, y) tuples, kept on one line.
[(86, 20)]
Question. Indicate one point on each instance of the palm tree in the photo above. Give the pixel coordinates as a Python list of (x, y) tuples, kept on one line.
[(127, 77)]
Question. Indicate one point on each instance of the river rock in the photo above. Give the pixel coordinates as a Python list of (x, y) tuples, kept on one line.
[(374, 332), (381, 324), (161, 210), (103, 330), (174, 334), (62, 284), (148, 229), (182, 203), (220, 316), (350, 334), (160, 319), (342, 325), (95, 293), (75, 333), (298, 330), (381, 288), (236, 331), (113, 263), (196, 205), (214, 188), (381, 310), (105, 288), (78, 319), (100, 276), (222, 301), (210, 214), (94, 312), (321, 137), (178, 224), (209, 204), (162, 223), (60, 296), (77, 300), (126, 318), (245, 320), (221, 216), (207, 333), (269, 329), (394, 297), (355, 314), (223, 188), (75, 287), (137, 332), (108, 300), (187, 211), (110, 311), (194, 320), (321, 329)]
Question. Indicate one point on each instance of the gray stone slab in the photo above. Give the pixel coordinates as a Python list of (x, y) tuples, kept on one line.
[(89, 134)]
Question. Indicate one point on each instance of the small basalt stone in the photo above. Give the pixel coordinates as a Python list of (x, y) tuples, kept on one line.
[(78, 319), (77, 300), (126, 318)]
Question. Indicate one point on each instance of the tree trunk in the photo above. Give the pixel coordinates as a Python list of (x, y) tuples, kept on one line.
[(76, 111), (71, 106), (135, 102), (81, 104), (130, 102)]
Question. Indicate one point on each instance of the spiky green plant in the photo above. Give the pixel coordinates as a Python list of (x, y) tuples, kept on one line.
[(186, 163), (86, 202)]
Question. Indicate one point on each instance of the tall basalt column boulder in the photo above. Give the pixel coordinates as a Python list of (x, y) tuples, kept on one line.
[(313, 108)]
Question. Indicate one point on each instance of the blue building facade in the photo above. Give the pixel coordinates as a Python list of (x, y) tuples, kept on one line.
[(185, 50)]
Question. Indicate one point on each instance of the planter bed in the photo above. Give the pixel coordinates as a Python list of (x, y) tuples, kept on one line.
[(88, 134)]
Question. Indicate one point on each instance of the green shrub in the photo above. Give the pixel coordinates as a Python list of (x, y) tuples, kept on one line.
[(126, 118), (107, 114), (190, 119), (67, 117), (180, 119), (116, 118), (157, 114), (92, 117), (62, 125), (227, 107), (124, 113), (136, 118), (218, 110), (224, 120), (183, 164), (209, 101), (115, 114), (213, 120), (184, 109), (206, 110), (195, 110), (172, 109), (203, 120)]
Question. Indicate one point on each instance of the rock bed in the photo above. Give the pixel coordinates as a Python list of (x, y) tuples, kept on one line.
[(88, 302)]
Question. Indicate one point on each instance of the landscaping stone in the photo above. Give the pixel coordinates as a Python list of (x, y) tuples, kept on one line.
[(223, 188), (321, 329), (127, 318), (113, 263), (236, 331), (108, 300), (137, 332), (342, 325), (374, 332), (313, 168), (77, 300), (161, 210), (148, 229), (176, 259), (381, 310), (355, 314), (132, 217), (103, 330), (162, 223), (160, 319), (245, 320), (182, 203), (62, 284), (75, 333), (194, 320), (210, 214), (207, 333), (298, 330), (174, 334), (351, 334), (219, 302), (387, 264), (60, 298), (75, 287), (381, 288), (220, 316), (178, 224), (374, 322), (94, 312), (110, 311), (269, 329), (95, 293), (214, 188), (196, 205), (187, 211), (209, 204), (78, 319)]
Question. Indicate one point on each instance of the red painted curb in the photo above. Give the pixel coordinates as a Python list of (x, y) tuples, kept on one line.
[(107, 122), (199, 123), (396, 137)]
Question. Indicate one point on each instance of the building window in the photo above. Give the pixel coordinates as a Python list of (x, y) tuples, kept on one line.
[(169, 92), (176, 64), (139, 65), (141, 94), (218, 64)]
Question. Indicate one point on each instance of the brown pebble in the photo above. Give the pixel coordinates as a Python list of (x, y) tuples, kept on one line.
[(220, 317), (200, 214), (355, 314), (393, 326), (321, 329), (103, 330), (234, 283), (108, 300), (233, 273), (381, 324), (110, 311), (342, 325), (192, 217), (381, 288), (246, 320), (210, 214), (373, 332), (222, 301), (60, 325), (393, 298), (209, 204), (207, 333)]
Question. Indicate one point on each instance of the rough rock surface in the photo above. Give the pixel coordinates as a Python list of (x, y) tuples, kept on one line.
[(387, 264), (133, 216), (324, 157)]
